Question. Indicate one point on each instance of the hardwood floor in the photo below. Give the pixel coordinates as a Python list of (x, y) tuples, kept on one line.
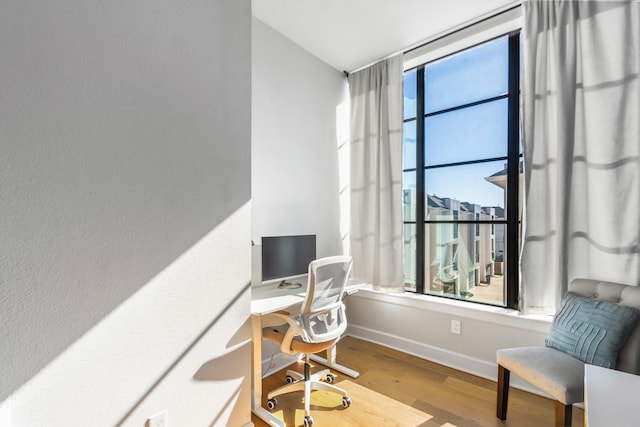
[(396, 389)]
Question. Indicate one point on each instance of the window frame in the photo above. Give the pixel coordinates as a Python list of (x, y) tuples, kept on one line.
[(513, 158)]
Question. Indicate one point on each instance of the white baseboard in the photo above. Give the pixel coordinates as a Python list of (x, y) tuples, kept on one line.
[(461, 362)]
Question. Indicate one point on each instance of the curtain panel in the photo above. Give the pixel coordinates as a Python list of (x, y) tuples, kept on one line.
[(376, 174), (581, 140)]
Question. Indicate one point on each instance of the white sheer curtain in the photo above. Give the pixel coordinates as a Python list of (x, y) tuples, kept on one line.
[(581, 136), (376, 174)]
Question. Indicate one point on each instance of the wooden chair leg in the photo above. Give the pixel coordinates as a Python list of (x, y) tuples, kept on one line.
[(503, 392), (563, 414)]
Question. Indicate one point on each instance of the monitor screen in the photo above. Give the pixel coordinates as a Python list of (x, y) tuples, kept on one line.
[(287, 256)]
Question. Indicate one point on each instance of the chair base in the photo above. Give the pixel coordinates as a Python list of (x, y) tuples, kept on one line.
[(308, 383), (563, 412)]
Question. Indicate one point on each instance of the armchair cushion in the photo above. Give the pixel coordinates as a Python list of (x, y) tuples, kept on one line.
[(552, 371), (591, 330)]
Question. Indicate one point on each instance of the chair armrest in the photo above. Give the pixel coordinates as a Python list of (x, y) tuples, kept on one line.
[(291, 332)]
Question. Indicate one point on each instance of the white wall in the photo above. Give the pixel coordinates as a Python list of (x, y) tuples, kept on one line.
[(295, 103), (125, 224)]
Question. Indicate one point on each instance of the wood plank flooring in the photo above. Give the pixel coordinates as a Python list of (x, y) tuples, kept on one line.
[(396, 389)]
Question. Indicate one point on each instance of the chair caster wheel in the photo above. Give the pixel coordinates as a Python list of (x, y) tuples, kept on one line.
[(271, 404), (308, 421), (346, 402), (330, 378), (290, 379)]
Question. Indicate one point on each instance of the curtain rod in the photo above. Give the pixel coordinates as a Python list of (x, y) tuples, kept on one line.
[(496, 12)]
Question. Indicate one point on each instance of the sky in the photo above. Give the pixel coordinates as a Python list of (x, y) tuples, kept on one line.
[(473, 133)]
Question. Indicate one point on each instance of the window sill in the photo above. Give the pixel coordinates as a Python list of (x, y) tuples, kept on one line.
[(465, 309)]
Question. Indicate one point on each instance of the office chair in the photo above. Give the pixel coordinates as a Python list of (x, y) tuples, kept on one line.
[(313, 326)]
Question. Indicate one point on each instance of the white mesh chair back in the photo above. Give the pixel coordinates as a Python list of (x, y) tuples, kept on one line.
[(323, 316)]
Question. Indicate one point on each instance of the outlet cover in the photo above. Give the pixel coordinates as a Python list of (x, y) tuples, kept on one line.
[(455, 327), (158, 420)]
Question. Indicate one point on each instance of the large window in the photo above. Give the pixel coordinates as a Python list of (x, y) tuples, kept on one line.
[(461, 174)]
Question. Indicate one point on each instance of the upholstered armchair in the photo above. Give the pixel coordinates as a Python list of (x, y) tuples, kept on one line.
[(597, 324)]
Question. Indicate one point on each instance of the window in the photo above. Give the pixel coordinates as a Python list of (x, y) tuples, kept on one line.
[(461, 174)]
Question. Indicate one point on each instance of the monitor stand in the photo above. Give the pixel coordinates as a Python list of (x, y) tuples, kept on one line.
[(289, 285)]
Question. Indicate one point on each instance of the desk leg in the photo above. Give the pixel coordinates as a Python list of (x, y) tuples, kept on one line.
[(330, 362), (256, 377)]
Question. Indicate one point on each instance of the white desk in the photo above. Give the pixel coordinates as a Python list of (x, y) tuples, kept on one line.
[(610, 397), (268, 299)]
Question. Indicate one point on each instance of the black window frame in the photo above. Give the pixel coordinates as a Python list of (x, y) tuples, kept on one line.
[(513, 158)]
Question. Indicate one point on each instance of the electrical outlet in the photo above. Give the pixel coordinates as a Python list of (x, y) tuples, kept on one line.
[(158, 420), (455, 327)]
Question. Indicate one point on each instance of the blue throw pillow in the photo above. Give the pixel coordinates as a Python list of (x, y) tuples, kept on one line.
[(591, 330)]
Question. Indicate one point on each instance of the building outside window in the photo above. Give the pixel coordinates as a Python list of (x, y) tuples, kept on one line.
[(461, 174)]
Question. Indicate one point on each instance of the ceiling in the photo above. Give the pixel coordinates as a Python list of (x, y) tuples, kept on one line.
[(351, 34)]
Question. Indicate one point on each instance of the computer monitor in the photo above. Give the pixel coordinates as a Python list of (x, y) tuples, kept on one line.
[(284, 257)]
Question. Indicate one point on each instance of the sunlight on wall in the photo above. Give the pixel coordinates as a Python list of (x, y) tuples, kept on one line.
[(342, 138), (5, 413), (144, 356)]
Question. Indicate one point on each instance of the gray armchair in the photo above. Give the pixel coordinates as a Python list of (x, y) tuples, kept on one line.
[(559, 374)]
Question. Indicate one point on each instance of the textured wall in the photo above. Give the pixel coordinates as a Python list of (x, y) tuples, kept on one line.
[(125, 188)]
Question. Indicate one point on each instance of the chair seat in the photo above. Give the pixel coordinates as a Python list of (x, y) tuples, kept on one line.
[(297, 345), (552, 371)]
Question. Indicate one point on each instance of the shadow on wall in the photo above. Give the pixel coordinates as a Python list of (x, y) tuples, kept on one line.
[(218, 369), (49, 314), (121, 150)]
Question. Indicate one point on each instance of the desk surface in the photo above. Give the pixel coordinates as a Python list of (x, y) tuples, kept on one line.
[(269, 298), (610, 397)]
